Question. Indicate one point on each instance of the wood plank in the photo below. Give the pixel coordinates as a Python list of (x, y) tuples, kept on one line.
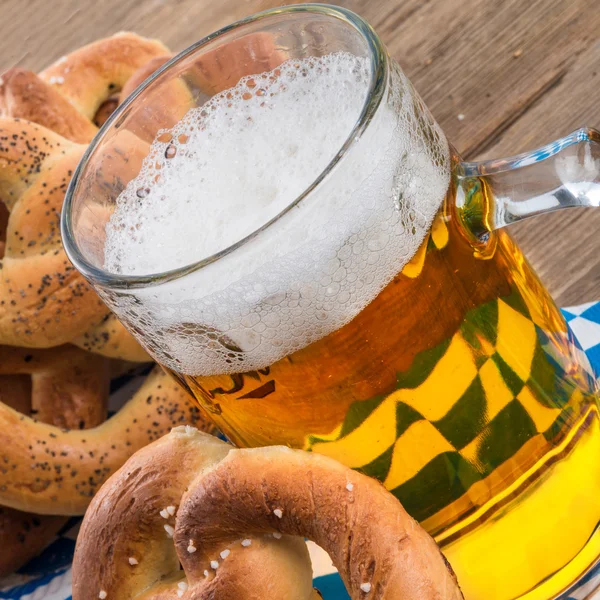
[(459, 55), (563, 246)]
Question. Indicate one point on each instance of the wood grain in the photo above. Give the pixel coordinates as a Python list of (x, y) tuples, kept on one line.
[(521, 73)]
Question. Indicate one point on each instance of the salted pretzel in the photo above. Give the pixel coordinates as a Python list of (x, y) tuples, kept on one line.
[(64, 386), (233, 516)]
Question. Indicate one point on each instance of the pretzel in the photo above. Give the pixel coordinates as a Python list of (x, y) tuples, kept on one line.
[(142, 74), (226, 512), (57, 471), (67, 387), (25, 95), (90, 75), (63, 98), (143, 495), (44, 301), (67, 96)]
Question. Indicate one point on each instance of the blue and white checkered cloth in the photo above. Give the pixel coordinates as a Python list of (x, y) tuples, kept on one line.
[(48, 577)]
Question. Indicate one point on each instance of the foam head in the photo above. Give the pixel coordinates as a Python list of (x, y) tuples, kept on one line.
[(234, 164), (230, 166)]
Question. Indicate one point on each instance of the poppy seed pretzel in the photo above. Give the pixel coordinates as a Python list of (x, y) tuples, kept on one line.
[(226, 522), (67, 386), (64, 386), (44, 301), (50, 470)]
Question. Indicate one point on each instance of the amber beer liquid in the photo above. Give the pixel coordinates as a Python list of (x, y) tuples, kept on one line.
[(365, 322), (461, 388)]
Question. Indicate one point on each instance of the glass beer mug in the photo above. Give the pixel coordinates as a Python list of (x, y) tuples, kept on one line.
[(384, 317)]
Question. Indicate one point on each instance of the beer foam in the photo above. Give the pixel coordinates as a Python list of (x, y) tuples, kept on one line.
[(246, 155), (228, 168)]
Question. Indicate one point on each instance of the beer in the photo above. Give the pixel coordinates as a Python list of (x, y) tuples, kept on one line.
[(363, 321)]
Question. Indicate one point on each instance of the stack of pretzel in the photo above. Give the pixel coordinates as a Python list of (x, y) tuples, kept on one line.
[(59, 344), (182, 515)]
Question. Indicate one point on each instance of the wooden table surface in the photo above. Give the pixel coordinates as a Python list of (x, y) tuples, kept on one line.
[(521, 73)]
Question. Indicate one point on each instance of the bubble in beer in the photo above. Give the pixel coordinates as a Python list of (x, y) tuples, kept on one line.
[(236, 163)]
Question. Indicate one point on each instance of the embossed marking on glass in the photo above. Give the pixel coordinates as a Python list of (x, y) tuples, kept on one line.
[(279, 220)]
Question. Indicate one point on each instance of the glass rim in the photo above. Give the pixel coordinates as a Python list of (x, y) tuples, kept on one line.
[(379, 63)]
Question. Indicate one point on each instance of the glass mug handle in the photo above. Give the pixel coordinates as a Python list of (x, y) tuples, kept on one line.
[(562, 174)]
